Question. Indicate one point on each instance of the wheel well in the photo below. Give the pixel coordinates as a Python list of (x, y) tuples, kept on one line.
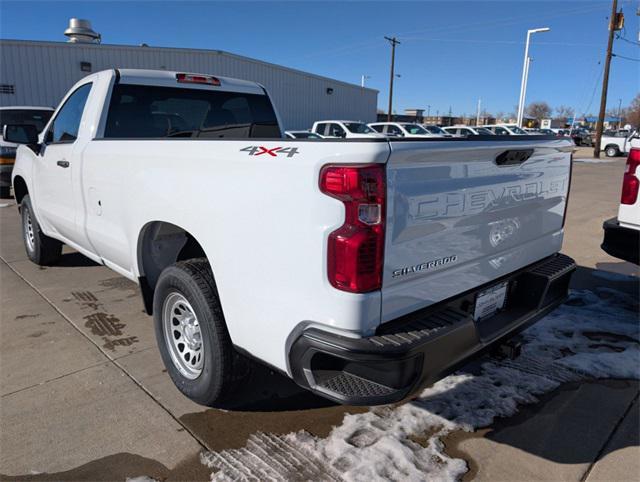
[(161, 244), (19, 189), (615, 146)]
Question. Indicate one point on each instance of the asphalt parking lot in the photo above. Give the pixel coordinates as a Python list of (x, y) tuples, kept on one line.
[(84, 394)]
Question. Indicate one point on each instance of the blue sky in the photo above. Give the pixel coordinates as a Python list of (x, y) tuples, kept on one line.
[(452, 52)]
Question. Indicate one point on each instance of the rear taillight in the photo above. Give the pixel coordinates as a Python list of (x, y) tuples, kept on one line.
[(630, 181), (355, 249)]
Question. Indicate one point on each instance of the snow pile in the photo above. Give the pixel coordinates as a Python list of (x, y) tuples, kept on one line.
[(594, 161), (594, 335)]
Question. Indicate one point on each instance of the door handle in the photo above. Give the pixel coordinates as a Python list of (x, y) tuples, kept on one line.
[(63, 163)]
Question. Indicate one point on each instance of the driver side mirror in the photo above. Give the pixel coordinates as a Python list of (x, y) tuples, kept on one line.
[(20, 134)]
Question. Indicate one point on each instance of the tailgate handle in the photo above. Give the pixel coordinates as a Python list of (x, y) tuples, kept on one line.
[(513, 157)]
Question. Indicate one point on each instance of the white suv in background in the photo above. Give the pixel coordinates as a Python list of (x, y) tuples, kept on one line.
[(506, 130), (466, 131), (622, 234), (344, 129), (401, 129)]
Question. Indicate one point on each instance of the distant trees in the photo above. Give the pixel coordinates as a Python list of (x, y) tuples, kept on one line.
[(563, 112), (538, 110), (632, 113)]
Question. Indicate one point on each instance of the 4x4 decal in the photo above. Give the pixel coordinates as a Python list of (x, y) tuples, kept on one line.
[(273, 152)]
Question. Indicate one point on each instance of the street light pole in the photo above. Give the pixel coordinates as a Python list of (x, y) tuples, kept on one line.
[(478, 112), (363, 78), (525, 66)]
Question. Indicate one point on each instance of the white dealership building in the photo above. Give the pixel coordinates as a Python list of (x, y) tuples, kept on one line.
[(40, 73)]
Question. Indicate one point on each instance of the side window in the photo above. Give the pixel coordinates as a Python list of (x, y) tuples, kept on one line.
[(377, 128), (336, 130), (394, 131), (320, 129), (66, 124)]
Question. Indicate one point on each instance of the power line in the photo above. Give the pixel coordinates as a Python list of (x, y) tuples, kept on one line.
[(624, 39), (623, 57)]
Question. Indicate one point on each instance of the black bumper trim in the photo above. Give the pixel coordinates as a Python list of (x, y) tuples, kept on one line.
[(418, 349), (621, 242)]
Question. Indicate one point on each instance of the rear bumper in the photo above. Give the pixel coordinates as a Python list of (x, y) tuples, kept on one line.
[(621, 242), (416, 350)]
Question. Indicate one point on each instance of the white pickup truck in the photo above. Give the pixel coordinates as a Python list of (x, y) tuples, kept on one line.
[(364, 269), (621, 144), (622, 233)]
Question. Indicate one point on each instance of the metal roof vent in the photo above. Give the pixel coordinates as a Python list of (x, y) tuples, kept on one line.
[(80, 31)]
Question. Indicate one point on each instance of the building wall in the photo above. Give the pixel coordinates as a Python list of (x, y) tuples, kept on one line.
[(42, 72)]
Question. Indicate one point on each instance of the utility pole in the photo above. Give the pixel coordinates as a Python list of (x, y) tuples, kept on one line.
[(619, 114), (605, 80), (478, 113), (393, 41), (428, 110), (363, 78)]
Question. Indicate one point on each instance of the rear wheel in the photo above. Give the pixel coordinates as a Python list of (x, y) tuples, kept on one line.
[(191, 332), (41, 249)]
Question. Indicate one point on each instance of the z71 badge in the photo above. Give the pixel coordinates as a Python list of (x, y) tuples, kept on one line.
[(273, 152)]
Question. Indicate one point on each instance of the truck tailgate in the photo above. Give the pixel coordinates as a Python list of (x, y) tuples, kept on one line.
[(463, 213)]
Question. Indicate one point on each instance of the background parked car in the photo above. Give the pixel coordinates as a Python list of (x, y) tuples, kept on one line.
[(506, 129), (466, 131), (36, 116), (437, 130), (616, 145), (581, 137), (401, 129), (302, 135), (344, 128)]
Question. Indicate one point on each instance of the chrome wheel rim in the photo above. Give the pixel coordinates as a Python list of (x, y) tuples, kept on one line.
[(182, 335), (29, 235)]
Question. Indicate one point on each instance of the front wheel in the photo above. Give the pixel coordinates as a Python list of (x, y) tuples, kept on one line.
[(611, 151), (191, 332), (40, 248)]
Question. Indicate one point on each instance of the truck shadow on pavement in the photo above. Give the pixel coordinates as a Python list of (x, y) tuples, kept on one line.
[(74, 260), (120, 467)]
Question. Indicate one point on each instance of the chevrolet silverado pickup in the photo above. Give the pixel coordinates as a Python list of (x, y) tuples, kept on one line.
[(362, 268)]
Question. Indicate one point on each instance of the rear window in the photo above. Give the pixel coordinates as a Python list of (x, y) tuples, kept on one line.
[(142, 111), (38, 118)]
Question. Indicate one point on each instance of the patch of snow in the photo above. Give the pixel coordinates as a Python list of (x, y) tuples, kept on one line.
[(140, 478), (593, 335), (594, 161)]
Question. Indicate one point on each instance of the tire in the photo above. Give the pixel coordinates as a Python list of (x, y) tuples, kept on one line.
[(612, 151), (40, 248), (184, 289), (5, 192)]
